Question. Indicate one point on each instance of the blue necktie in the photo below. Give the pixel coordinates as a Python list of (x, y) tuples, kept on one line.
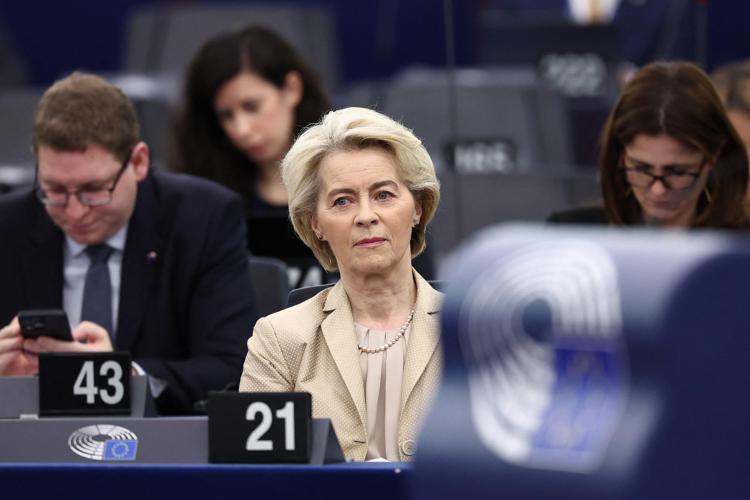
[(97, 290)]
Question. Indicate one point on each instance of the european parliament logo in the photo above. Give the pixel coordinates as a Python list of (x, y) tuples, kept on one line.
[(104, 442), (542, 333)]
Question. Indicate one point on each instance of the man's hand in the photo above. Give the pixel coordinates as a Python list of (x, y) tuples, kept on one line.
[(14, 360), (88, 337)]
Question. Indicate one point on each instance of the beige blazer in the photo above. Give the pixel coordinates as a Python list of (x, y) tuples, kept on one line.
[(313, 347)]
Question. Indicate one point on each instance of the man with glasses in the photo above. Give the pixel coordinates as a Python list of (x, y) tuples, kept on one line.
[(142, 261)]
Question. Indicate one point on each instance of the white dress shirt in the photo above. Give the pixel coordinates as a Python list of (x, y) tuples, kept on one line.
[(76, 264)]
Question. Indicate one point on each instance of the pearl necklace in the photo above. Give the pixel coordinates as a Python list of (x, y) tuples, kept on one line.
[(385, 347)]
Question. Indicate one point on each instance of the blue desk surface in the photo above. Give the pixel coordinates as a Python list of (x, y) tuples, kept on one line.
[(372, 480)]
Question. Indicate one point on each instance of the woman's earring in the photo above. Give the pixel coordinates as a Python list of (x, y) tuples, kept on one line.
[(708, 195)]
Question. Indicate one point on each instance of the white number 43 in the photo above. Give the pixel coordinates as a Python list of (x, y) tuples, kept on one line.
[(85, 386)]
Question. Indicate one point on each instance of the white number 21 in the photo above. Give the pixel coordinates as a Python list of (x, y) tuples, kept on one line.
[(254, 443)]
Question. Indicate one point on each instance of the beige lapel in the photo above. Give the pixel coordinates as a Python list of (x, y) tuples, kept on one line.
[(338, 331), (424, 336)]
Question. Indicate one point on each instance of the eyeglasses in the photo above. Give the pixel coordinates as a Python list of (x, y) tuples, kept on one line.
[(90, 197), (674, 178)]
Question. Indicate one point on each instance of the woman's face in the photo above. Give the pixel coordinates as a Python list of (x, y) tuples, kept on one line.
[(257, 116), (365, 212), (684, 168)]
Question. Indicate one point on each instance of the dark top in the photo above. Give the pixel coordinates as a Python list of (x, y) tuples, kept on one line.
[(597, 215), (270, 234), (582, 215), (187, 305)]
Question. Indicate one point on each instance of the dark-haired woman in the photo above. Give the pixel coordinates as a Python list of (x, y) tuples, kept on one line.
[(670, 156), (247, 95)]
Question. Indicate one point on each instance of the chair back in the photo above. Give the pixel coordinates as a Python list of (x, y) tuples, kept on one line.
[(270, 282), (164, 38), (17, 107), (299, 295), (504, 155)]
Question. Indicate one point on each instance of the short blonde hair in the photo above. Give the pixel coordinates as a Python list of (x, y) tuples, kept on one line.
[(354, 129)]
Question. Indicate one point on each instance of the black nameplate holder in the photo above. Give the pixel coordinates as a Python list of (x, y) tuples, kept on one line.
[(246, 427), (259, 427), (73, 384)]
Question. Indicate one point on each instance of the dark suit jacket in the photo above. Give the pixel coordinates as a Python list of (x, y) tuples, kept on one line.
[(187, 304)]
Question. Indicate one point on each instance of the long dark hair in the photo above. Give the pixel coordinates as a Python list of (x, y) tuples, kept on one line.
[(676, 99), (199, 144)]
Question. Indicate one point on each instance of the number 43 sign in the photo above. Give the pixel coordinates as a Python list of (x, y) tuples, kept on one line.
[(84, 384), (259, 427)]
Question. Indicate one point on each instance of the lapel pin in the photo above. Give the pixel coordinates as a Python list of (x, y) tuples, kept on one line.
[(151, 257)]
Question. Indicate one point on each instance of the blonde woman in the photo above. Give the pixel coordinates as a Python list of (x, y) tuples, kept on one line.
[(362, 190)]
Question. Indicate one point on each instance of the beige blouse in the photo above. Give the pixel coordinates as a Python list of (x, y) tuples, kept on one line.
[(382, 373)]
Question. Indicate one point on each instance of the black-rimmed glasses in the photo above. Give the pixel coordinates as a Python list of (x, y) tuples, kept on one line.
[(676, 179), (90, 197)]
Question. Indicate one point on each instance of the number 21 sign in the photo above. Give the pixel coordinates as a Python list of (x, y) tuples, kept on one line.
[(259, 427)]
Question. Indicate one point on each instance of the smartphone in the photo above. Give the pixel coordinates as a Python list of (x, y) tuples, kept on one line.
[(45, 323)]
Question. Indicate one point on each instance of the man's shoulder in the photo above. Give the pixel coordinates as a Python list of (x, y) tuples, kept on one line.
[(186, 200), (185, 185), (17, 198), (17, 207), (177, 209)]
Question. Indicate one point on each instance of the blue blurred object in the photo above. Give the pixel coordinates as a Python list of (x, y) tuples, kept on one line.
[(120, 449), (585, 363)]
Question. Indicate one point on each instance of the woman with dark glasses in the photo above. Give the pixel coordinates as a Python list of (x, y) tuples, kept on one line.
[(669, 155)]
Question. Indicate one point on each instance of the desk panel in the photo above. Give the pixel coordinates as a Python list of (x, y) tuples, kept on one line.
[(360, 481)]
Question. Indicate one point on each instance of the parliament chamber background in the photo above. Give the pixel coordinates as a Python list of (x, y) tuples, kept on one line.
[(509, 98)]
